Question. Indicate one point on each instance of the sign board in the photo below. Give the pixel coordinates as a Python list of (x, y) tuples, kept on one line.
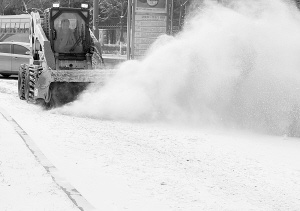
[(149, 20), (151, 6)]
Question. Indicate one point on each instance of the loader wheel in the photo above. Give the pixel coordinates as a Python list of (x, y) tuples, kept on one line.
[(30, 80), (21, 82), (26, 83), (5, 75), (51, 104), (47, 106), (44, 105)]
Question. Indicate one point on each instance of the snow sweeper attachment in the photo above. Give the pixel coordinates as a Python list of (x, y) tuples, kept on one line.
[(65, 55)]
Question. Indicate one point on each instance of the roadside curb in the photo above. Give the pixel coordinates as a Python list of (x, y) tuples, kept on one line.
[(80, 202)]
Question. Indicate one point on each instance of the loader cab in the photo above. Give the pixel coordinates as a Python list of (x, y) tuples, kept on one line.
[(69, 32)]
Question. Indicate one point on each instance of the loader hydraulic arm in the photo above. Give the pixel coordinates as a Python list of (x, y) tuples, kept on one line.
[(96, 46), (40, 41)]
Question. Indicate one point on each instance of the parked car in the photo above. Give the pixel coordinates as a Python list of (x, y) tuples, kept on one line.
[(12, 55)]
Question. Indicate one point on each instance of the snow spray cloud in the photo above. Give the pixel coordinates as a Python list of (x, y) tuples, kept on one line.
[(232, 65)]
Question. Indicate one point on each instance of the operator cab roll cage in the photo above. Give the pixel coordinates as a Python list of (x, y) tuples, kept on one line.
[(84, 39)]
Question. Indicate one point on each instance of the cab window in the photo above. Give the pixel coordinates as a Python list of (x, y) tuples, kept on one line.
[(5, 48), (18, 49), (70, 29)]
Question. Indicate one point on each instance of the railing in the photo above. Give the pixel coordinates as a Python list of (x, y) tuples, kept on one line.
[(14, 25)]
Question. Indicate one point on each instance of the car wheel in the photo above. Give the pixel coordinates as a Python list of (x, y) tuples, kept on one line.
[(5, 75)]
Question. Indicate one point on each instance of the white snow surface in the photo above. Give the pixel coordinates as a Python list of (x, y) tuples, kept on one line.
[(119, 165), (202, 123), (231, 66)]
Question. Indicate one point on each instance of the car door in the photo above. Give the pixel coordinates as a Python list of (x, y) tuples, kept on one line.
[(5, 57), (19, 56)]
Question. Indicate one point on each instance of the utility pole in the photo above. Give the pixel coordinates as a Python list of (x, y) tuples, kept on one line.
[(171, 17), (182, 11), (129, 32), (96, 19)]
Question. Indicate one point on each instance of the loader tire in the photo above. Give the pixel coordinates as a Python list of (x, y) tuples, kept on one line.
[(31, 77), (21, 82), (44, 105)]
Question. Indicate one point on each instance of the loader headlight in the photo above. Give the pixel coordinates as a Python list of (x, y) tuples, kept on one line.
[(84, 6), (56, 5)]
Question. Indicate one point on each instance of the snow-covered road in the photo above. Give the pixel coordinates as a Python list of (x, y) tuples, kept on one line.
[(155, 166), (234, 65)]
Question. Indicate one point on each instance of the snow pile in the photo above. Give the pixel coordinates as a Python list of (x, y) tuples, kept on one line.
[(236, 65)]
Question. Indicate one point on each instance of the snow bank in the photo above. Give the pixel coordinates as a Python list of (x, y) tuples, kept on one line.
[(235, 66)]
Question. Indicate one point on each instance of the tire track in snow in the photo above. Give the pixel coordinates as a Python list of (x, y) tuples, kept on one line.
[(71, 191)]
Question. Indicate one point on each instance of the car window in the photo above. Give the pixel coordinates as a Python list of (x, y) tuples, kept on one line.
[(18, 49), (5, 48)]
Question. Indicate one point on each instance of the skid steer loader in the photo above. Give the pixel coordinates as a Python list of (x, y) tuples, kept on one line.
[(65, 55)]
